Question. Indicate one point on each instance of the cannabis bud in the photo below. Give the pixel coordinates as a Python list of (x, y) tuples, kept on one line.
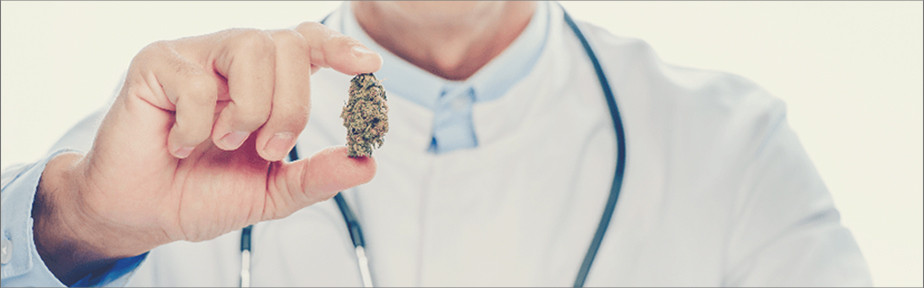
[(365, 115)]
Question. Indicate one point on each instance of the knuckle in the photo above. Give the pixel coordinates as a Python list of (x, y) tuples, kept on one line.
[(309, 26), (156, 47), (253, 40), (149, 51), (290, 38)]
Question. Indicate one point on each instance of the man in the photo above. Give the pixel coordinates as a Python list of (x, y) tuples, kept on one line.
[(500, 156)]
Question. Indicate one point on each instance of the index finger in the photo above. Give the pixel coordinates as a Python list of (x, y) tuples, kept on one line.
[(331, 49)]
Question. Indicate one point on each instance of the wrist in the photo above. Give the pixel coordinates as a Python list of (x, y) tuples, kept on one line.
[(69, 240)]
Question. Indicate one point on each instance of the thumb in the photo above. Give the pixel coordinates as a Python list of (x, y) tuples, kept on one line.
[(317, 178)]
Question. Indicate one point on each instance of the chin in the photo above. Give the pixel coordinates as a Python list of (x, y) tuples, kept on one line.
[(442, 9)]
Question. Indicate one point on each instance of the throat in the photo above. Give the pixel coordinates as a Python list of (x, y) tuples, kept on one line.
[(452, 49)]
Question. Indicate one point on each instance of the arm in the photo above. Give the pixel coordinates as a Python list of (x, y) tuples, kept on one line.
[(23, 265)]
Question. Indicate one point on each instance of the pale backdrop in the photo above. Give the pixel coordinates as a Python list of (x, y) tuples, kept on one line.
[(850, 72)]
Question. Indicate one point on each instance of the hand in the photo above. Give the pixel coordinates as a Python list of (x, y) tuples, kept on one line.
[(191, 147)]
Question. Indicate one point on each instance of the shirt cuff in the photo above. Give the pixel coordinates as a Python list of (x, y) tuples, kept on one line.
[(21, 263)]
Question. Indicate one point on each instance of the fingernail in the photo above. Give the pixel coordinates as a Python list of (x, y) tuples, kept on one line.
[(183, 152), (278, 146), (360, 51), (234, 139)]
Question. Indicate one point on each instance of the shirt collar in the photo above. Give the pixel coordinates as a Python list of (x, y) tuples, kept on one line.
[(490, 82)]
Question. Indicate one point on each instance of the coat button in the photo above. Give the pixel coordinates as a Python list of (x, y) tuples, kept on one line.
[(5, 251)]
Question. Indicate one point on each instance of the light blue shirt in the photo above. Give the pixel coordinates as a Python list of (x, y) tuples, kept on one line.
[(21, 263), (452, 101)]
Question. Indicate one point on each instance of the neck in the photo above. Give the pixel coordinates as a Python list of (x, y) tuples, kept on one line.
[(450, 42)]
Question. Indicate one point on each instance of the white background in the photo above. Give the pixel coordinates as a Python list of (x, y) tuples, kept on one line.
[(850, 72)]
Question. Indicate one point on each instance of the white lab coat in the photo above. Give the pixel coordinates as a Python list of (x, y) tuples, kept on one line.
[(718, 190)]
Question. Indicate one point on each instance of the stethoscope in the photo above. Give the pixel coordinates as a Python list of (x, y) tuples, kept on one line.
[(356, 233)]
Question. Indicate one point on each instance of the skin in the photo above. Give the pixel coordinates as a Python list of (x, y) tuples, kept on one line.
[(191, 147), (420, 33)]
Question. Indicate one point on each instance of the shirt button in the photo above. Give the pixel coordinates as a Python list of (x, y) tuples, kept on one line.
[(5, 251)]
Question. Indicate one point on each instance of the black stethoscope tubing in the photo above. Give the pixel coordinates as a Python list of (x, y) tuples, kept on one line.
[(355, 230)]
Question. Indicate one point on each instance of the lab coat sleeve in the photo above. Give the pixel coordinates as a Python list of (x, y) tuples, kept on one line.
[(786, 230), (21, 263)]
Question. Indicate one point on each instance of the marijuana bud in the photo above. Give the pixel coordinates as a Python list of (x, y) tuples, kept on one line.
[(365, 115)]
